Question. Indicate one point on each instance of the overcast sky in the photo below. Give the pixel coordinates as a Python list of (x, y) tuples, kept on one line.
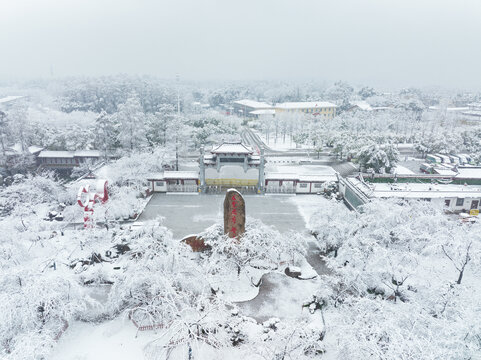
[(377, 42)]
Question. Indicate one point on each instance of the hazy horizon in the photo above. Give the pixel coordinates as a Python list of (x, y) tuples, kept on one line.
[(378, 43)]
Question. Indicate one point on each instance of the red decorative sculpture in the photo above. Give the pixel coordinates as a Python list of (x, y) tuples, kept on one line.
[(88, 197)]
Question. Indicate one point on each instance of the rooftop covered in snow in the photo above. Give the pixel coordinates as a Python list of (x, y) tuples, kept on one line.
[(253, 104), (87, 153), (263, 112), (423, 190), (365, 106), (273, 176), (304, 105), (414, 190), (473, 172), (56, 154), (69, 154), (232, 148)]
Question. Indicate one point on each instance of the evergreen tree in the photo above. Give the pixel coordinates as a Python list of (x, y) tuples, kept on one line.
[(131, 121), (106, 133)]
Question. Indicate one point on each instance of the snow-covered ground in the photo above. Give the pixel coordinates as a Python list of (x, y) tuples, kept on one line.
[(401, 170), (411, 164), (280, 296), (114, 339), (290, 165), (281, 143), (186, 214)]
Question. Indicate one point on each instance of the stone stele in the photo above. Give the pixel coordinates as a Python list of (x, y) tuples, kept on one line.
[(234, 214)]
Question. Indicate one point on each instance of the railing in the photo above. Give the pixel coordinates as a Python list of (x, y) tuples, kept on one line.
[(280, 190)]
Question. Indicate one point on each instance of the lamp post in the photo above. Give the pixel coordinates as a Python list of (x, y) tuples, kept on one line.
[(177, 79), (2, 134)]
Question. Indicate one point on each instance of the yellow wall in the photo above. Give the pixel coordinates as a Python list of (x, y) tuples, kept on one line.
[(328, 112), (230, 182)]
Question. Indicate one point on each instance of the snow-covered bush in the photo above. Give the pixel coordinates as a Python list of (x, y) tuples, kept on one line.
[(290, 340), (260, 247), (36, 306), (29, 191), (378, 158), (156, 274), (329, 226)]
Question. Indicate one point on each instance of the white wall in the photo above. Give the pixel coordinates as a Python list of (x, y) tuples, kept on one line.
[(160, 188), (303, 188)]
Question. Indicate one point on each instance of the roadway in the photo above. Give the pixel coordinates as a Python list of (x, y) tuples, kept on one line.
[(313, 158), (305, 156)]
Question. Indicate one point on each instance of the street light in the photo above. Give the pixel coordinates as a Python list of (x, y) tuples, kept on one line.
[(177, 79)]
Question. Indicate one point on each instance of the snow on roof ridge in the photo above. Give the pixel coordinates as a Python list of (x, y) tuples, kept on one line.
[(232, 147), (252, 103), (68, 153), (263, 112), (304, 104)]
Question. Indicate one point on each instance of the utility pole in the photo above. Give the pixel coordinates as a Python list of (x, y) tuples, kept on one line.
[(2, 134), (177, 79)]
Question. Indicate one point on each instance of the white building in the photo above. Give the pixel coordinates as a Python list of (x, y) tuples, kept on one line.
[(247, 107), (175, 181), (296, 183), (363, 105), (454, 197)]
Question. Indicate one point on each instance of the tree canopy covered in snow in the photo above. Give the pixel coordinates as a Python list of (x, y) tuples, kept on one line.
[(403, 282)]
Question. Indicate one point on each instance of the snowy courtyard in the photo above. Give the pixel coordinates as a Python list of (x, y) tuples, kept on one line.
[(186, 214)]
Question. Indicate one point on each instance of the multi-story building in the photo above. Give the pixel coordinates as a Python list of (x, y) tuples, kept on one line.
[(320, 108), (246, 107)]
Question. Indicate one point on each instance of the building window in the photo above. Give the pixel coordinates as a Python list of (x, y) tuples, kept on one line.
[(159, 183), (317, 185), (459, 202), (302, 185), (447, 203)]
